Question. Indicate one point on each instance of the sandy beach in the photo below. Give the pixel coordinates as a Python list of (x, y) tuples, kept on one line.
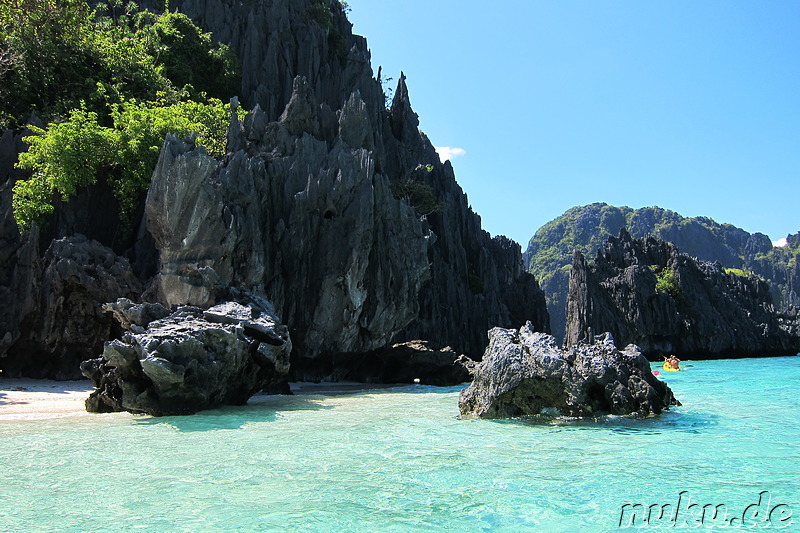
[(38, 399), (30, 399)]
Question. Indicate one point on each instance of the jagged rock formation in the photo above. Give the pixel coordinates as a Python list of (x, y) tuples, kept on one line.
[(585, 228), (329, 197), (191, 359), (335, 208), (20, 267), (311, 222), (60, 323), (525, 373), (702, 312)]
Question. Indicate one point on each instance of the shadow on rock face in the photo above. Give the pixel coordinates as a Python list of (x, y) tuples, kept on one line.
[(190, 360), (524, 373)]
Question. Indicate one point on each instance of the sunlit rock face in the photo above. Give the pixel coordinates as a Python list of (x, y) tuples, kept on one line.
[(189, 360), (524, 373)]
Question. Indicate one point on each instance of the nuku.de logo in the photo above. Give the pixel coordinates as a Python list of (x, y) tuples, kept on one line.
[(684, 513)]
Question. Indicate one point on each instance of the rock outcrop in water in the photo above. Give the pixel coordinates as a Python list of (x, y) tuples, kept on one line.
[(645, 292), (333, 206), (183, 362), (525, 373)]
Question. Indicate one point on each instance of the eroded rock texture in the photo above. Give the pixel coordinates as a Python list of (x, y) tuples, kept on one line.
[(525, 373), (349, 223), (61, 323), (705, 312), (189, 360), (334, 207)]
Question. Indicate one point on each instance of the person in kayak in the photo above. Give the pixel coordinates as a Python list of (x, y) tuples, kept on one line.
[(673, 362)]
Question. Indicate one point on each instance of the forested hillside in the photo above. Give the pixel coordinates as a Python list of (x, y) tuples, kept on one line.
[(101, 87), (586, 228)]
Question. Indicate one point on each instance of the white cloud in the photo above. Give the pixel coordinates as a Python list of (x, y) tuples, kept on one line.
[(448, 152), (780, 243)]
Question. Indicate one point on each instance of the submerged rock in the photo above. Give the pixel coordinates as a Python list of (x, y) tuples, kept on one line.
[(190, 360), (525, 373)]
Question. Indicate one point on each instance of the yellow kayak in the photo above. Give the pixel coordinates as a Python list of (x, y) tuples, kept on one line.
[(668, 368)]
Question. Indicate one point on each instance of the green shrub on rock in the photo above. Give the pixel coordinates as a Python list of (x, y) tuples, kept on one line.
[(110, 82), (73, 153), (667, 282)]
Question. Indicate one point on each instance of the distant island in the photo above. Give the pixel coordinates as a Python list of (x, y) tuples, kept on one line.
[(586, 228)]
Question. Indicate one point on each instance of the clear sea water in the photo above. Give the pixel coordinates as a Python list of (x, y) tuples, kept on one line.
[(400, 459)]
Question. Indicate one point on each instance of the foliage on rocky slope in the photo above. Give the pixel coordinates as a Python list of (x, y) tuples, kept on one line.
[(586, 228)]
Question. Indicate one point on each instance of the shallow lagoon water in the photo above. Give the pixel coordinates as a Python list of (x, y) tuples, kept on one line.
[(400, 459)]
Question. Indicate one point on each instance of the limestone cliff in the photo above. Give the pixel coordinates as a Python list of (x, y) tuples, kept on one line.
[(585, 228), (332, 206), (645, 292)]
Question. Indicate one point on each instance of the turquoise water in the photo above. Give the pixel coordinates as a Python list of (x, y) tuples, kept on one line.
[(400, 459)]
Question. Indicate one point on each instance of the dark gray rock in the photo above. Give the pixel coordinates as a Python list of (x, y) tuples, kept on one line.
[(525, 373), (316, 229), (305, 206), (455, 278), (191, 360), (277, 41), (313, 223), (407, 362), (65, 323), (586, 228), (710, 313), (20, 264), (20, 274), (135, 317)]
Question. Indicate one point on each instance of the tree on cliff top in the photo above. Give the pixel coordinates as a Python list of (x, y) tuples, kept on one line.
[(56, 53), (110, 87)]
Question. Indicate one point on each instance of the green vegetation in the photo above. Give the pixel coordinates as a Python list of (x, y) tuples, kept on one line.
[(587, 227), (73, 153), (416, 192), (667, 282), (56, 53), (321, 12), (110, 83), (189, 58), (738, 272), (584, 228)]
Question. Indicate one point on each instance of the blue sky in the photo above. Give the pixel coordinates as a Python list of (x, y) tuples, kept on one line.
[(693, 105)]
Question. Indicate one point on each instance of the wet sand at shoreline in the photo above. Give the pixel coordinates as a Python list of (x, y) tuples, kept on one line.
[(31, 399), (38, 399)]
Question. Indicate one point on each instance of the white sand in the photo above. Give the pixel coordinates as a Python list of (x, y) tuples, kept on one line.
[(39, 399), (31, 399)]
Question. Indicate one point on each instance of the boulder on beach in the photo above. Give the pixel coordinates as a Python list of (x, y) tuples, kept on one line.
[(524, 372), (189, 360)]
